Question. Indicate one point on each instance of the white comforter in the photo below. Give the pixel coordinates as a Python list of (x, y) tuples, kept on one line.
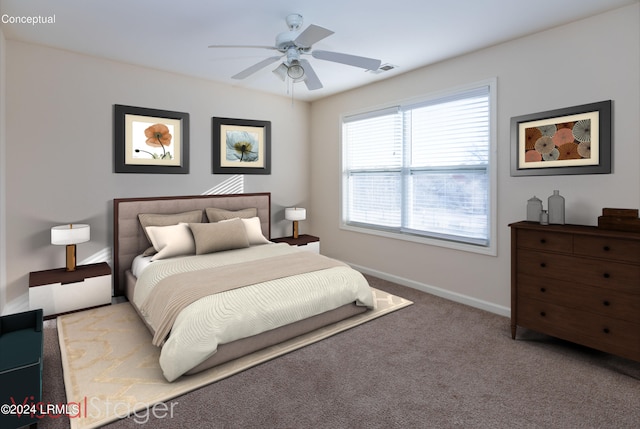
[(240, 313)]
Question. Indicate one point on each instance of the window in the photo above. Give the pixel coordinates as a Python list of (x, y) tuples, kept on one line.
[(422, 170)]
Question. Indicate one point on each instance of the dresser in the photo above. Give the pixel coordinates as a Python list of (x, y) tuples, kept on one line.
[(577, 283)]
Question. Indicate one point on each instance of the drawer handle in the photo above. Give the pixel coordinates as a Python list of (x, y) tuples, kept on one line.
[(606, 248), (606, 330), (606, 303), (543, 241), (543, 264), (543, 314), (606, 275), (542, 289)]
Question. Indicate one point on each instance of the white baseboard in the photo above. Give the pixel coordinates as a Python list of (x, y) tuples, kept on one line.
[(443, 293)]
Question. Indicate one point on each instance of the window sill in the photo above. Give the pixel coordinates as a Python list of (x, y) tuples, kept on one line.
[(489, 250)]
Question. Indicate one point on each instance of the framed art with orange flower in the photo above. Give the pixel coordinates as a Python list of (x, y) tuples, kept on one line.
[(150, 140), (572, 140), (241, 146)]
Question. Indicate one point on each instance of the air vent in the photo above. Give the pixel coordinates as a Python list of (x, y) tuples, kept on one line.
[(383, 68)]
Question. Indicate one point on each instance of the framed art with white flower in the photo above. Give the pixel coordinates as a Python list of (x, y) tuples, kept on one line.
[(150, 140), (573, 140), (241, 146)]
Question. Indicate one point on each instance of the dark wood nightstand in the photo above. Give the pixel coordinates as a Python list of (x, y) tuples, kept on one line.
[(304, 241), (60, 291)]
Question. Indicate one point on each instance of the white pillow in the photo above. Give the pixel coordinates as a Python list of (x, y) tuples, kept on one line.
[(172, 240), (254, 230)]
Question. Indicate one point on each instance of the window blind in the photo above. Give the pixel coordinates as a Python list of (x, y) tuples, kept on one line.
[(421, 169)]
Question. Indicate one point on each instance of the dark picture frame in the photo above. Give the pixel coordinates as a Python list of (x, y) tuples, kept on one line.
[(573, 140), (241, 146), (150, 140)]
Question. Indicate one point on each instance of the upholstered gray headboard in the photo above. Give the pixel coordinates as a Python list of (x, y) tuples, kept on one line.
[(130, 241)]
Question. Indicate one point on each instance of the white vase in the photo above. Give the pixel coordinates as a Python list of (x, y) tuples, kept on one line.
[(556, 208), (544, 218), (534, 208)]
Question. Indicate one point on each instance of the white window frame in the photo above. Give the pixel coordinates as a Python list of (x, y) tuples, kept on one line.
[(491, 248)]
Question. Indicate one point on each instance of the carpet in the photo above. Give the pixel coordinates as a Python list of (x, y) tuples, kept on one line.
[(111, 369)]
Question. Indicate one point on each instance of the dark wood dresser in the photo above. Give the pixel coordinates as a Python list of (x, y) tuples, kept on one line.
[(578, 283)]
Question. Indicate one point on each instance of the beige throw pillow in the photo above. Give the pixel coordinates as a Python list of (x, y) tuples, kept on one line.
[(216, 237), (216, 215)]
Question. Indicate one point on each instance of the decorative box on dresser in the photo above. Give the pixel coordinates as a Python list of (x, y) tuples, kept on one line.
[(577, 283), (60, 291)]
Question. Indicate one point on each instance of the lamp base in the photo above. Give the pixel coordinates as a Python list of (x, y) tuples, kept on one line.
[(295, 229), (71, 257)]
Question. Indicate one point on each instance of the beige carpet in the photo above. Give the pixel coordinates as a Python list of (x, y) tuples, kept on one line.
[(111, 369)]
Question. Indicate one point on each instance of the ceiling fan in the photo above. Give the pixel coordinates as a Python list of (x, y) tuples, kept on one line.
[(291, 45)]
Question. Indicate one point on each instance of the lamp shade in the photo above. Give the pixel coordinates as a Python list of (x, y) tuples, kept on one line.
[(70, 234), (295, 213), (295, 70)]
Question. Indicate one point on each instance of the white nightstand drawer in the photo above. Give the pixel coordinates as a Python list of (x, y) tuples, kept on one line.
[(61, 298), (59, 291), (311, 247)]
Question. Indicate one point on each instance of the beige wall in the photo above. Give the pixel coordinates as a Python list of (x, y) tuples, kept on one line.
[(587, 61), (58, 147), (59, 150)]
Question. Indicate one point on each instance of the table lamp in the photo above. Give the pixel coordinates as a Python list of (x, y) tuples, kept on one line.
[(295, 214), (70, 235)]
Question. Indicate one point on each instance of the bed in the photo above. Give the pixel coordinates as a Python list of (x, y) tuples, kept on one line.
[(211, 287)]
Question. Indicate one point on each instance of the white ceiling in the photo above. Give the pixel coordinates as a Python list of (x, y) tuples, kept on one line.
[(174, 35)]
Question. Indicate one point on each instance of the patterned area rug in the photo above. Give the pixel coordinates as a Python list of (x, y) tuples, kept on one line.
[(111, 369)]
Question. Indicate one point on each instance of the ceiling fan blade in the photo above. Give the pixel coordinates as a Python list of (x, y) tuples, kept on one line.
[(351, 60), (310, 76), (244, 46), (254, 68), (311, 35)]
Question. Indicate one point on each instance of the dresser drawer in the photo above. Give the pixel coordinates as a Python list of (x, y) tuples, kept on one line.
[(594, 272), (607, 248), (591, 330), (605, 302), (543, 240)]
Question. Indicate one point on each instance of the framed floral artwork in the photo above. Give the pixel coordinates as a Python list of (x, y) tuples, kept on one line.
[(150, 140), (241, 146), (573, 140)]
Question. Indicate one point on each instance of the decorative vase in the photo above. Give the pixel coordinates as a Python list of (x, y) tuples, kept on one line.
[(534, 208), (544, 218), (556, 208)]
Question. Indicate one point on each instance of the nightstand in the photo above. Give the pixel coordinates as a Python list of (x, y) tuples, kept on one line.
[(304, 241), (60, 291)]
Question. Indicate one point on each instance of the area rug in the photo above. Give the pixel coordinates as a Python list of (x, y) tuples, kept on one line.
[(111, 369)]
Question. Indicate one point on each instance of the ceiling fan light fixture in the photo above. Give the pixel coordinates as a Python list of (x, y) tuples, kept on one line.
[(281, 71), (295, 70)]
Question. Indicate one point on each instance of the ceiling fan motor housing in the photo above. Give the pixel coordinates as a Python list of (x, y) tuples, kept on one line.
[(294, 21)]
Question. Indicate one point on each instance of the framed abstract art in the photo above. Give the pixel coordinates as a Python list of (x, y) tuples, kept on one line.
[(573, 140)]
